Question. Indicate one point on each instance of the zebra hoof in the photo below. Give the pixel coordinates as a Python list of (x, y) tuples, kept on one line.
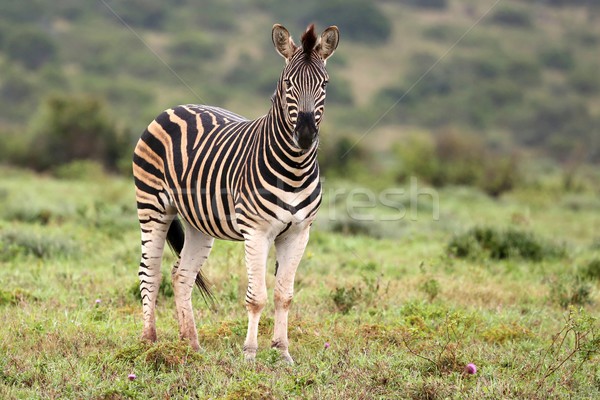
[(250, 354), (149, 336), (287, 358)]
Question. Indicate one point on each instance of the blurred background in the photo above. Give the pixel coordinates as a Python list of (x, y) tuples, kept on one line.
[(418, 88)]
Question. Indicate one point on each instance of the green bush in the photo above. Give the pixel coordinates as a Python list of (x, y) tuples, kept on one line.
[(435, 4), (502, 244), (344, 298), (16, 243), (570, 291), (193, 48), (75, 128), (591, 270), (515, 17), (359, 20), (557, 58), (31, 47), (452, 158), (585, 80)]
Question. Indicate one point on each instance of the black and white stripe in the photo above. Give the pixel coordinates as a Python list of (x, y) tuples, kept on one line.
[(230, 178)]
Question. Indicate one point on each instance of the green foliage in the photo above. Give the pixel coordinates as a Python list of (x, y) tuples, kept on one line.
[(42, 246), (16, 297), (58, 343), (186, 50), (75, 128), (573, 291), (585, 80), (160, 356), (149, 14), (433, 4), (431, 287), (513, 17), (506, 332), (31, 47), (80, 170), (450, 158), (557, 58), (345, 298), (359, 20), (502, 244), (591, 270)]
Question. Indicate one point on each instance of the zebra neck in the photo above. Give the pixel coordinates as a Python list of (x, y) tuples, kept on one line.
[(280, 146)]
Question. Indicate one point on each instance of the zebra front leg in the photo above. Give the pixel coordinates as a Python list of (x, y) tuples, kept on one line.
[(257, 250), (290, 249), (196, 248)]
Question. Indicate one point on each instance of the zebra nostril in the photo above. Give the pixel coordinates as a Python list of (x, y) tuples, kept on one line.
[(306, 130)]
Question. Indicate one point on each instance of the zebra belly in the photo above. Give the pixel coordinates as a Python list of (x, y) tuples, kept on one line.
[(210, 213)]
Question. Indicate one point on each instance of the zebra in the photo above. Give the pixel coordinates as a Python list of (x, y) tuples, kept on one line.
[(203, 173)]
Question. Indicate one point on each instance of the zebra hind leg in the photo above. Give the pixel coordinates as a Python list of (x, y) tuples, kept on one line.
[(154, 231), (196, 248)]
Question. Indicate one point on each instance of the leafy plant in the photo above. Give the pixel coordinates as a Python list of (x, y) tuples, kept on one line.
[(345, 298), (502, 244), (591, 270), (73, 128)]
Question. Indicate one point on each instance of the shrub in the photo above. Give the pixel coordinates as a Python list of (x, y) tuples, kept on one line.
[(439, 4), (31, 47), (570, 291), (501, 245), (75, 128), (15, 243), (194, 48), (360, 20), (585, 80), (513, 17), (557, 58), (591, 270), (344, 298), (431, 287), (451, 158)]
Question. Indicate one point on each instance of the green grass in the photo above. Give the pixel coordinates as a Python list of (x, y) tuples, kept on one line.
[(402, 314)]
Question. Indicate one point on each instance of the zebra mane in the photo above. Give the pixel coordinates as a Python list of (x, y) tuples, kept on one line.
[(309, 40)]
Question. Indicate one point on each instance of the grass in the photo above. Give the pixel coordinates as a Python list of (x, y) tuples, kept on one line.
[(402, 316)]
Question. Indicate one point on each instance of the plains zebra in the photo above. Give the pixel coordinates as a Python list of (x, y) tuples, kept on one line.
[(231, 178)]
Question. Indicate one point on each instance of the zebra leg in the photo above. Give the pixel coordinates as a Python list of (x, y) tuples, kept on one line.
[(257, 250), (154, 231), (195, 251), (290, 249)]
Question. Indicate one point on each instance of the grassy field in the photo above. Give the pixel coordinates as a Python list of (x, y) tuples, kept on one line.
[(383, 309)]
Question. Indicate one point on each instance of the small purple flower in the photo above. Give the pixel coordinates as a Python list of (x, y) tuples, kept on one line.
[(327, 345), (98, 301), (131, 377), (470, 369)]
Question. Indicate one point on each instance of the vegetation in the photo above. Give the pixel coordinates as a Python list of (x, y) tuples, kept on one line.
[(399, 315), (458, 225), (504, 82)]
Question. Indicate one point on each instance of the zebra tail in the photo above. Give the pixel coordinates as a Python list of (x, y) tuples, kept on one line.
[(176, 238)]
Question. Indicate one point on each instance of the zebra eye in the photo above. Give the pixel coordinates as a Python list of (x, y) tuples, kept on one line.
[(324, 84), (287, 82)]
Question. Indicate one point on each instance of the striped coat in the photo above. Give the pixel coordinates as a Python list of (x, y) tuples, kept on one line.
[(227, 177)]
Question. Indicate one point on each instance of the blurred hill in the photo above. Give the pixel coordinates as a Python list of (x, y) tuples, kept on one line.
[(524, 77)]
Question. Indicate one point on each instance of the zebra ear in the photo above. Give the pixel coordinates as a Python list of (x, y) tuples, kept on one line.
[(283, 42), (328, 42)]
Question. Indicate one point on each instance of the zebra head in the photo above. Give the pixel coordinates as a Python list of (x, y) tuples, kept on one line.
[(301, 88)]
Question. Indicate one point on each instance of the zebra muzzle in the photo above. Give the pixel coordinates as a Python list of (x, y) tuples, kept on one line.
[(306, 130)]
